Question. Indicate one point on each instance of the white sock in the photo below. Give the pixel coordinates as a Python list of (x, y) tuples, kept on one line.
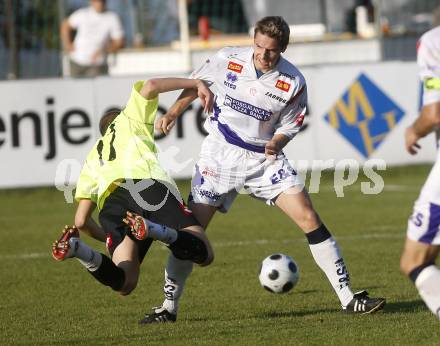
[(88, 257), (329, 259), (428, 285), (176, 273), (162, 233)]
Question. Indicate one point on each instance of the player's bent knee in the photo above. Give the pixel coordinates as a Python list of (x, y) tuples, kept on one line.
[(190, 246), (209, 259), (309, 220), (128, 287), (405, 265)]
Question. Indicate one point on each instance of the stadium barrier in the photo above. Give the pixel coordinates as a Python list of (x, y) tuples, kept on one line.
[(356, 112)]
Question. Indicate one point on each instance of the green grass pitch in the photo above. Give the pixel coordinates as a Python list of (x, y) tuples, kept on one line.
[(44, 302)]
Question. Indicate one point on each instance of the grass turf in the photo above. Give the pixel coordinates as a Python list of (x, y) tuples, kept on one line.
[(44, 302)]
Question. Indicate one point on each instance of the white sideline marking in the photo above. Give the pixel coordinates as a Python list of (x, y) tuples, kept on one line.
[(36, 255), (401, 188)]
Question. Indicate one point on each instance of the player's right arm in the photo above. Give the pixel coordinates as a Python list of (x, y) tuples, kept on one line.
[(193, 88), (85, 222), (429, 118), (428, 121), (204, 72), (66, 35), (166, 123), (86, 195)]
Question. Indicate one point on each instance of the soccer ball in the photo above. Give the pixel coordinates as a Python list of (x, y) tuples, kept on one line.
[(278, 273)]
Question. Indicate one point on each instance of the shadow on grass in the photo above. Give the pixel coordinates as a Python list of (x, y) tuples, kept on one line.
[(282, 314), (306, 291), (405, 307)]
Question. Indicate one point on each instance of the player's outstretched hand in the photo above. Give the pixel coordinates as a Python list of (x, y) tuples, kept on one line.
[(411, 139), (165, 123), (206, 96)]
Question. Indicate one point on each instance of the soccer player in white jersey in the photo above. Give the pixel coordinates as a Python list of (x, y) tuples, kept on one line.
[(260, 106), (423, 236)]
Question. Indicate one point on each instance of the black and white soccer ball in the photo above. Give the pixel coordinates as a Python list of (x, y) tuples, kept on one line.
[(278, 273)]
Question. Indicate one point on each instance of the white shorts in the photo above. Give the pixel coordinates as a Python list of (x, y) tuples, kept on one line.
[(224, 170), (424, 223)]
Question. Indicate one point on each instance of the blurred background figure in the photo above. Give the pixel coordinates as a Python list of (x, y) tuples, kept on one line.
[(166, 27), (31, 46), (99, 32)]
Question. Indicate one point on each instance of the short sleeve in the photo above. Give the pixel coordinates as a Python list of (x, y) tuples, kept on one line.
[(139, 108), (429, 71), (292, 117), (208, 69), (87, 186), (116, 30), (76, 18)]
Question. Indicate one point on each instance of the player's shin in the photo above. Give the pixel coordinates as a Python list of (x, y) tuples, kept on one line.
[(427, 281), (327, 256), (88, 257), (109, 274), (98, 265), (176, 273)]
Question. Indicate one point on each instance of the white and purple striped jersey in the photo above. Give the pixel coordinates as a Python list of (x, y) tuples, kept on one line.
[(248, 110), (424, 223), (428, 60)]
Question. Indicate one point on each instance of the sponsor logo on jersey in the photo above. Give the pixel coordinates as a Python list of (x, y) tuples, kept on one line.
[(234, 56), (214, 196), (275, 97), (235, 67), (364, 115), (284, 74), (284, 86), (247, 109), (253, 91), (230, 79), (209, 172)]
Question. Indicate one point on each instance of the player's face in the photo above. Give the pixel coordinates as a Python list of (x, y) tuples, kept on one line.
[(98, 5), (266, 52)]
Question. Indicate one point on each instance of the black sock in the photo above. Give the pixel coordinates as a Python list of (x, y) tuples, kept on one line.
[(318, 235), (189, 247), (109, 274), (417, 270)]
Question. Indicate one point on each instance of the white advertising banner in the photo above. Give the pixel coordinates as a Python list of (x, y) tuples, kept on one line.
[(356, 112)]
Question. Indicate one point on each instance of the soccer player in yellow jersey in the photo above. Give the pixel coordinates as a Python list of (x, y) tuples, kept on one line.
[(123, 178)]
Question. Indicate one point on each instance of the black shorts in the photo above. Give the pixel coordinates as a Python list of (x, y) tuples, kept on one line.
[(171, 212)]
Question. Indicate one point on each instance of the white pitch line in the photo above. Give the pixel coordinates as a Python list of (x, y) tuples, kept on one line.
[(37, 255), (401, 188)]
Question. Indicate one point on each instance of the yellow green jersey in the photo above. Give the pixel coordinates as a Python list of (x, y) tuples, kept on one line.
[(126, 151)]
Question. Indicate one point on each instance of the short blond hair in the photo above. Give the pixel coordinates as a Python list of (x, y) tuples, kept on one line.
[(274, 27)]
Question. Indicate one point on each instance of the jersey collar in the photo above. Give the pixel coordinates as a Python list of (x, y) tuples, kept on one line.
[(250, 61)]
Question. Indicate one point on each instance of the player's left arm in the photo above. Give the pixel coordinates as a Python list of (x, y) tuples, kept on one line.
[(428, 121), (291, 120), (85, 222)]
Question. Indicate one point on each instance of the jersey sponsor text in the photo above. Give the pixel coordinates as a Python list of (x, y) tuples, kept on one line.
[(247, 109)]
